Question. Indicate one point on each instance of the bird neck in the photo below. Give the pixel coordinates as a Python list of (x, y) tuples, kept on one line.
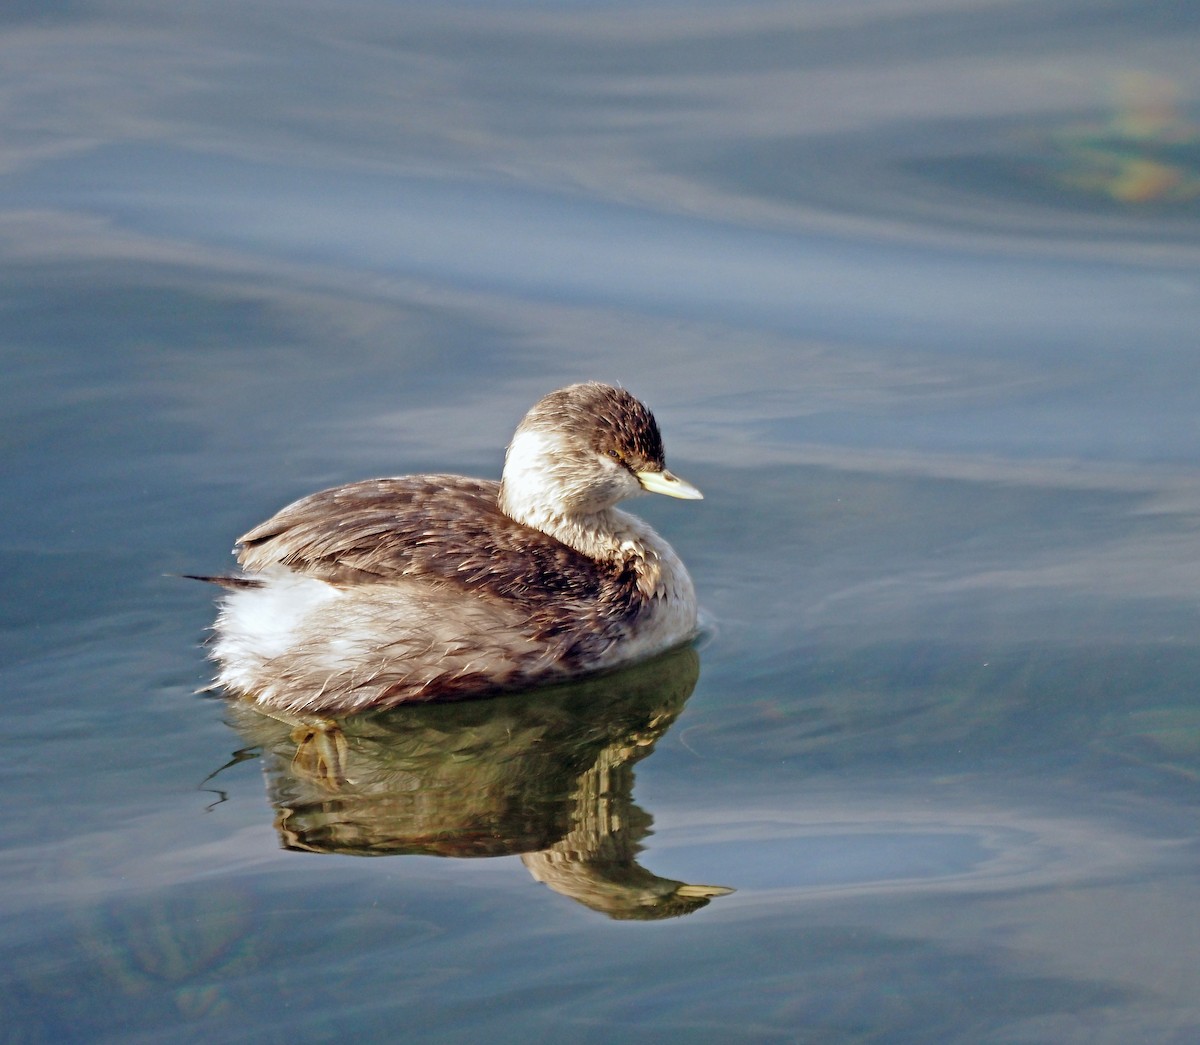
[(541, 489), (602, 535)]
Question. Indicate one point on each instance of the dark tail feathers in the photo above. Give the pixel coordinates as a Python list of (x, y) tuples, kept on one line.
[(232, 583)]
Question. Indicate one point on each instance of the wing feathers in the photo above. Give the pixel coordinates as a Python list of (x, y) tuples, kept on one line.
[(450, 532)]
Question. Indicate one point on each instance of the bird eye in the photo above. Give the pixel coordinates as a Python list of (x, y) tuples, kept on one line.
[(614, 455)]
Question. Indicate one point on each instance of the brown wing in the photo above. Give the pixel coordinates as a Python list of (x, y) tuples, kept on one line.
[(448, 530), (379, 529)]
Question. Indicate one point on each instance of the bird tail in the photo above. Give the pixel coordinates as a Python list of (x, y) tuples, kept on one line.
[(233, 583)]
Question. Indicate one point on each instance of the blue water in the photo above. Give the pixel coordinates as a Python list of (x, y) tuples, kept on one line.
[(913, 292)]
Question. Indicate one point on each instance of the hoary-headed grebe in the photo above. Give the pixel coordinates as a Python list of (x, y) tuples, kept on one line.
[(435, 587)]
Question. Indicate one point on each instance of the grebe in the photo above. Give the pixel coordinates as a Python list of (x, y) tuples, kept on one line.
[(436, 587)]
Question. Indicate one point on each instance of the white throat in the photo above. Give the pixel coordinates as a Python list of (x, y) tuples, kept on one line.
[(543, 489)]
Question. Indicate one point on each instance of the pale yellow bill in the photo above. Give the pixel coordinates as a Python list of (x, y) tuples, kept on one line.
[(671, 485)]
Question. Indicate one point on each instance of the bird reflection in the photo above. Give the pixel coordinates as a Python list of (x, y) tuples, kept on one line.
[(547, 775)]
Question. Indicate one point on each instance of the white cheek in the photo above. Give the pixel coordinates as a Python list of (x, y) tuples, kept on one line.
[(525, 463), (630, 487)]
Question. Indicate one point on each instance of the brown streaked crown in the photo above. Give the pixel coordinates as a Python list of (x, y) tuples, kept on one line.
[(605, 418)]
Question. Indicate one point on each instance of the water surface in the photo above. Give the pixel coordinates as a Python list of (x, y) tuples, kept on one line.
[(912, 289)]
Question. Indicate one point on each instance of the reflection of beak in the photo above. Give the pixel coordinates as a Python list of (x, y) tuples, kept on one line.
[(703, 892), (671, 485)]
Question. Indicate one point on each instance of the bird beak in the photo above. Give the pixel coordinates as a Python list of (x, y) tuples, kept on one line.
[(703, 892), (672, 486)]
